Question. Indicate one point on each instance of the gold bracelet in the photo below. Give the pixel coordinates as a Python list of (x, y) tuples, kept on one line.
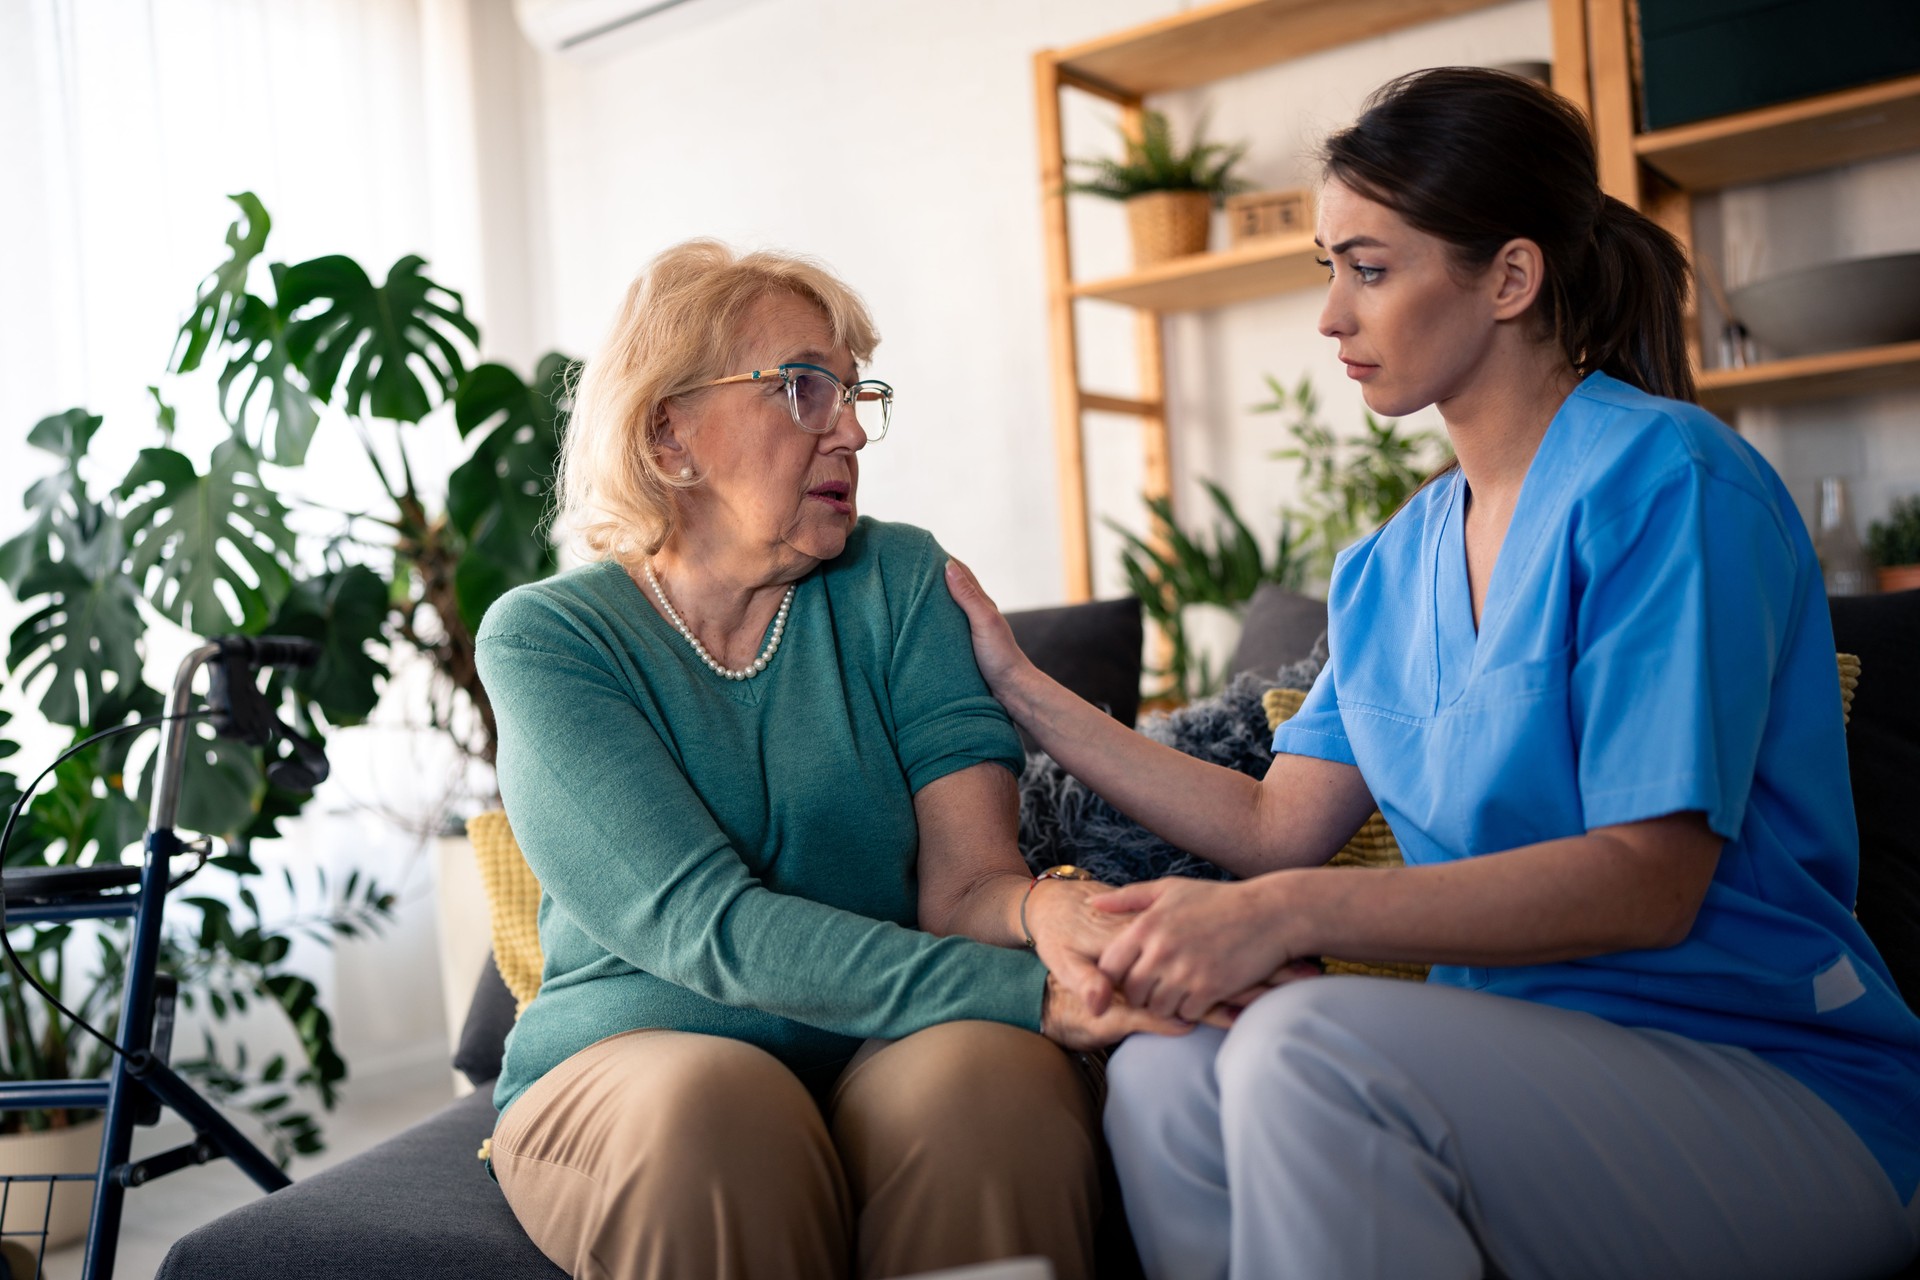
[(1065, 871)]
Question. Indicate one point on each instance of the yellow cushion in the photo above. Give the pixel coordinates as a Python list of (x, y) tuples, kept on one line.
[(513, 899), (1372, 846)]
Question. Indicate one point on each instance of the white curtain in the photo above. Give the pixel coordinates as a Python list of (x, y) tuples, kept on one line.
[(124, 126)]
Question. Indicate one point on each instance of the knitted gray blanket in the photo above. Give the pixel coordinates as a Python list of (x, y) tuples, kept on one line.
[(1061, 821)]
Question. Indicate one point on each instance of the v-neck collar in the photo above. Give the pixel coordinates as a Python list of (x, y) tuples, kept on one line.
[(1455, 637), (1460, 646)]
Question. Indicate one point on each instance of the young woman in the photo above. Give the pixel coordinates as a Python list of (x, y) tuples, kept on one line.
[(1588, 676)]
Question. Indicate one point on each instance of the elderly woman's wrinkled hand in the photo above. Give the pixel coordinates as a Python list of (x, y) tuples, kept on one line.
[(1198, 950), (1068, 1022), (1069, 935)]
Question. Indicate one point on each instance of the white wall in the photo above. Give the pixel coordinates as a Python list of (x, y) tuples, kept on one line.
[(896, 141)]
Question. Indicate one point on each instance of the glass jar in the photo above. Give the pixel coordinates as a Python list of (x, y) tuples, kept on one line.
[(1843, 560)]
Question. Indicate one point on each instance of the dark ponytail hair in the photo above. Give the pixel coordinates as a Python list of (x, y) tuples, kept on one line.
[(1479, 158)]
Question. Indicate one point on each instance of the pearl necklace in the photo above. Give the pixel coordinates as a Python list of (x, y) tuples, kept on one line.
[(747, 672)]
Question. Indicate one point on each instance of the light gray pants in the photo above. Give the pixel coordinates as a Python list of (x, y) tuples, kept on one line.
[(1367, 1127)]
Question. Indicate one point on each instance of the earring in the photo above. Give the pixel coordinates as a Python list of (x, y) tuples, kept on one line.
[(686, 473)]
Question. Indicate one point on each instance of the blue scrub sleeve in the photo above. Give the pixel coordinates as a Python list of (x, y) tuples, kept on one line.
[(1686, 609), (1316, 728)]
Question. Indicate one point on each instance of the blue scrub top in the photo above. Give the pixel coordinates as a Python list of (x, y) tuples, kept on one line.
[(1654, 639)]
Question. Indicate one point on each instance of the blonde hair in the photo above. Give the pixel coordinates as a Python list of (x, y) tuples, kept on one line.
[(677, 328)]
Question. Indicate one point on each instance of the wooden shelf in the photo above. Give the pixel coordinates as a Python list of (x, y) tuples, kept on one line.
[(1795, 137), (1231, 38), (1257, 269), (1826, 376), (1210, 42)]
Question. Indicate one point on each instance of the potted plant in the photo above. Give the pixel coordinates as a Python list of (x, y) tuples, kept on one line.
[(1349, 486), (1894, 544), (1194, 584), (212, 544), (1169, 192)]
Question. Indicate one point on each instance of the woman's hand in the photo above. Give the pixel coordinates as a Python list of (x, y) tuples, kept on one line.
[(1066, 1020), (1194, 945), (1069, 934), (994, 650)]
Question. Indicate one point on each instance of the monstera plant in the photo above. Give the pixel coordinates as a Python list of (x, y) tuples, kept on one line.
[(224, 542)]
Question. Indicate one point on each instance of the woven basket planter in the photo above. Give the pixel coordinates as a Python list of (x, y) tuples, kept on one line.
[(1168, 224)]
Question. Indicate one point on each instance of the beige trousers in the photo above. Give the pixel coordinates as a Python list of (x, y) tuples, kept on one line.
[(668, 1154)]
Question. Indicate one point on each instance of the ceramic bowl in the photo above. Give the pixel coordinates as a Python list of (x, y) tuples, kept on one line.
[(1861, 302)]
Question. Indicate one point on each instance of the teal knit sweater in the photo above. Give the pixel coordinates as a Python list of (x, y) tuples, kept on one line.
[(738, 857)]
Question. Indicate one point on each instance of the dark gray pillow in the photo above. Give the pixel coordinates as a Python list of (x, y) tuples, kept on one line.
[(1093, 649), (1281, 627), (483, 1037)]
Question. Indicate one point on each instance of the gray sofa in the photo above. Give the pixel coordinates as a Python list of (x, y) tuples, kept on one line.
[(421, 1206)]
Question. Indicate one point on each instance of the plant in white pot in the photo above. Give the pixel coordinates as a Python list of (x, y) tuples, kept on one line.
[(1194, 584), (1349, 485), (1170, 192)]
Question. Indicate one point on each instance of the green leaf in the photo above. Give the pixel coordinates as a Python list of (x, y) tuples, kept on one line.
[(274, 806), (85, 626), (61, 495), (398, 343), (165, 416), (270, 387), (220, 785), (1155, 162), (345, 612), (500, 496), (223, 291), (88, 812), (210, 550)]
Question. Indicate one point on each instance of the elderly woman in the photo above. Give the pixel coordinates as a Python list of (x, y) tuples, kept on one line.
[(788, 1021)]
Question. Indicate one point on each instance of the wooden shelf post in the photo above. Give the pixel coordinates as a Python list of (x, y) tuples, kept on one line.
[(1069, 448)]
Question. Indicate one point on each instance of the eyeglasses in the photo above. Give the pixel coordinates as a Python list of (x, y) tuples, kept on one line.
[(815, 398)]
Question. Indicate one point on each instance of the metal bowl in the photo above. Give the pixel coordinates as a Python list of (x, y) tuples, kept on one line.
[(1861, 302)]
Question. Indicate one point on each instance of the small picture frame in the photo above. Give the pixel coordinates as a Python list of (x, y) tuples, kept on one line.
[(1260, 214)]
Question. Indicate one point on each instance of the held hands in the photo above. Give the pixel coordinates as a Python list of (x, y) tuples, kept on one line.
[(1066, 1020), (1069, 934), (1199, 950)]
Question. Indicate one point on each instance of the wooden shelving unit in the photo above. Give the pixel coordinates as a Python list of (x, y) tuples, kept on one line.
[(1834, 373), (1797, 137), (1207, 280), (1661, 171), (1182, 52), (1221, 40)]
